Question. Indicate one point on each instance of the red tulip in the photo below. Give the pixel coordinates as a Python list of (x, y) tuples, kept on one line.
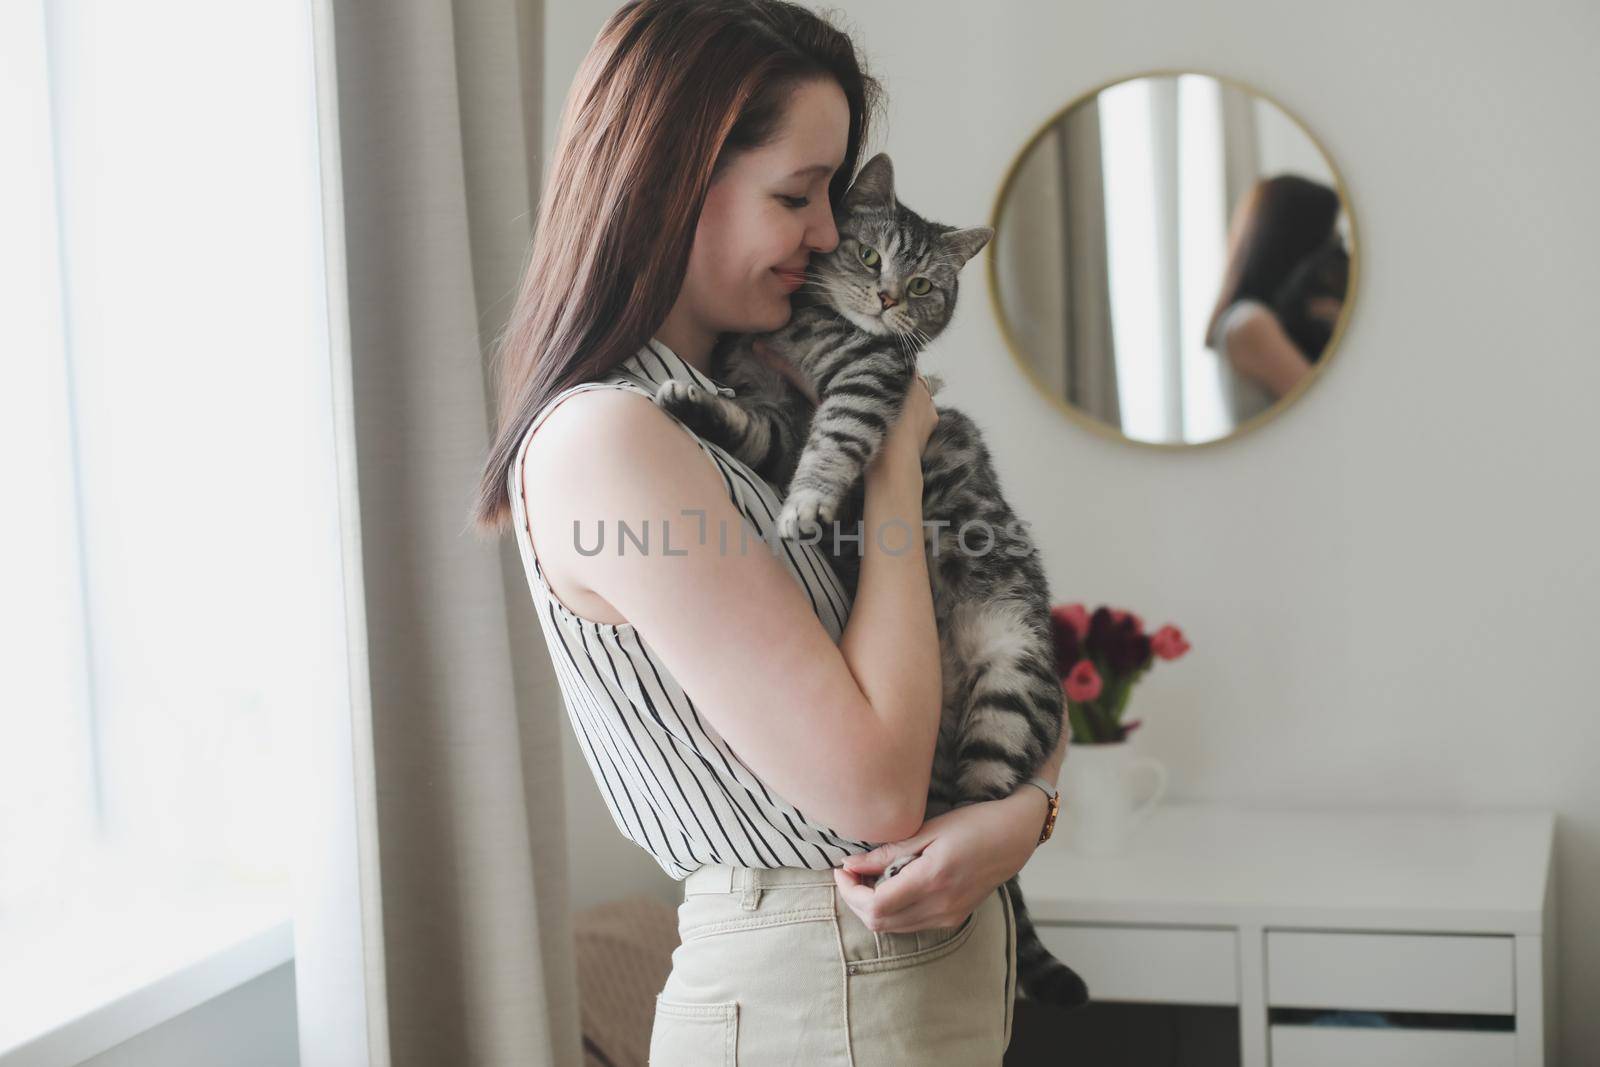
[(1168, 642), (1083, 682)]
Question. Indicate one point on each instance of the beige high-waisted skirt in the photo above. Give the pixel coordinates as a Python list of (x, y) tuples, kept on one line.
[(774, 968)]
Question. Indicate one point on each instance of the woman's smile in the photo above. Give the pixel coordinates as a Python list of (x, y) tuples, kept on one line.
[(791, 279)]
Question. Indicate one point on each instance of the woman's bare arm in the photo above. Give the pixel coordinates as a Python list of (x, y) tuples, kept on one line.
[(845, 732), (891, 642), (1258, 348), (963, 855)]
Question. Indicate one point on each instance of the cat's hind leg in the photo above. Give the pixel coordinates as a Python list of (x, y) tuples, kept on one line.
[(1011, 721)]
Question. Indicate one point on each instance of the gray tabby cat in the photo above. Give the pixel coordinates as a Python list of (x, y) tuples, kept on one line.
[(876, 300)]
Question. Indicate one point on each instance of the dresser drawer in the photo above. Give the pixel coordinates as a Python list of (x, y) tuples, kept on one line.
[(1334, 1046), (1391, 972), (1169, 965)]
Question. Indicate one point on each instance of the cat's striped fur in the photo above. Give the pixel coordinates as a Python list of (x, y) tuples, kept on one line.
[(854, 344)]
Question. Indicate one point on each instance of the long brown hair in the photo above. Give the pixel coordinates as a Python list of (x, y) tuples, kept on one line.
[(670, 91), (1279, 222)]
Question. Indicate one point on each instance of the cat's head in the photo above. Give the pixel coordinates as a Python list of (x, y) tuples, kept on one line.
[(893, 271)]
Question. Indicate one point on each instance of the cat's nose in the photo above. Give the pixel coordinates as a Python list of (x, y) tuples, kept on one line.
[(886, 300)]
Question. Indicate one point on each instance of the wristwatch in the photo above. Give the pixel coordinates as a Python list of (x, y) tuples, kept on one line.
[(1055, 806)]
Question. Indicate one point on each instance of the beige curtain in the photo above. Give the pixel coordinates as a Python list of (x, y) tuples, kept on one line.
[(1241, 155), (429, 115), (1052, 269), (1092, 385)]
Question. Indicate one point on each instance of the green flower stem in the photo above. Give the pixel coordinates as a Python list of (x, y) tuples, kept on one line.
[(1099, 720), (1081, 730)]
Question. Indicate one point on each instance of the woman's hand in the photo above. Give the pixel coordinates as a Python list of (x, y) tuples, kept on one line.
[(965, 854)]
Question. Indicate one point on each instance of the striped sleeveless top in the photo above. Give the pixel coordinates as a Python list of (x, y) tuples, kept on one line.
[(672, 784)]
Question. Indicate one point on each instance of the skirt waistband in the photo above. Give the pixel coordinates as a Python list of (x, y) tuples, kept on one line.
[(723, 878)]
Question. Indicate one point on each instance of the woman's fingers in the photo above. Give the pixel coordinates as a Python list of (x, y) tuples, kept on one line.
[(896, 905), (857, 895), (875, 861), (869, 862), (896, 866)]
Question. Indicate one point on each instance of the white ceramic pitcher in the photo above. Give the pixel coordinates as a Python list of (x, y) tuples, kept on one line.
[(1100, 795)]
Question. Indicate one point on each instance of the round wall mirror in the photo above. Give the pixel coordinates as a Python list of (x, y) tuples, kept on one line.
[(1174, 259)]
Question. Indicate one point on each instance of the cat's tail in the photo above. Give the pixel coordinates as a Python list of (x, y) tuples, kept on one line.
[(1040, 976)]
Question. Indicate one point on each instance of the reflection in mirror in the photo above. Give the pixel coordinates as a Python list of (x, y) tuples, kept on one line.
[(1172, 258)]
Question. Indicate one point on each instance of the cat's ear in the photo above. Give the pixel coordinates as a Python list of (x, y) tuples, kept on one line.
[(964, 244), (874, 185)]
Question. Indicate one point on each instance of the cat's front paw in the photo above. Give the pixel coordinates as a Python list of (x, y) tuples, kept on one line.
[(803, 508), (681, 398)]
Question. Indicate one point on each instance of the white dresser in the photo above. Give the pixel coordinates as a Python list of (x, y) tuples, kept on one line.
[(1443, 921)]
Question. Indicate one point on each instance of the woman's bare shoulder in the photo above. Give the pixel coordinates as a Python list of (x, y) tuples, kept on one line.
[(582, 452), (588, 426), (1245, 315)]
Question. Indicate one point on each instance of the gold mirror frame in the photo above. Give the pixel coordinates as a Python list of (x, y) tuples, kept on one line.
[(1261, 418)]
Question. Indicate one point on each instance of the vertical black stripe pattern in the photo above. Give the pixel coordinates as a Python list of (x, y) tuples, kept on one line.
[(669, 780)]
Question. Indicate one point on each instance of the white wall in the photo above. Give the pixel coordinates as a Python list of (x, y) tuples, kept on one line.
[(1387, 589)]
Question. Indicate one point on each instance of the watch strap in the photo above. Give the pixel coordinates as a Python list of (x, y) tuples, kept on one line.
[(1055, 806)]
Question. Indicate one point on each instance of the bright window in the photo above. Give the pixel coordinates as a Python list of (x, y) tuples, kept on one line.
[(1161, 161), (172, 606)]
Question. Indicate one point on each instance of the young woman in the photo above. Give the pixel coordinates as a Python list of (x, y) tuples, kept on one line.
[(752, 729), (1282, 291)]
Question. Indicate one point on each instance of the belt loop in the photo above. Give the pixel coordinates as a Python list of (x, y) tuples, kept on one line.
[(752, 888)]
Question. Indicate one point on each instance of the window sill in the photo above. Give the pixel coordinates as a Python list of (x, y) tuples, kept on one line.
[(110, 973)]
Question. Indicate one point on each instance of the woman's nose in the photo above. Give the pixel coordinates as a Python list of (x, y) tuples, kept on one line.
[(824, 235)]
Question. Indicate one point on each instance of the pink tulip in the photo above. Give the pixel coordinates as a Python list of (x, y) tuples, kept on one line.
[(1168, 642), (1083, 682)]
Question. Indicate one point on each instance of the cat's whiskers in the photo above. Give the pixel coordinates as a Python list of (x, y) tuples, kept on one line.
[(907, 347), (813, 275), (841, 294), (914, 333)]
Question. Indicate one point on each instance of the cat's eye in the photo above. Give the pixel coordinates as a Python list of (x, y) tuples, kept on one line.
[(919, 286), (870, 257)]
